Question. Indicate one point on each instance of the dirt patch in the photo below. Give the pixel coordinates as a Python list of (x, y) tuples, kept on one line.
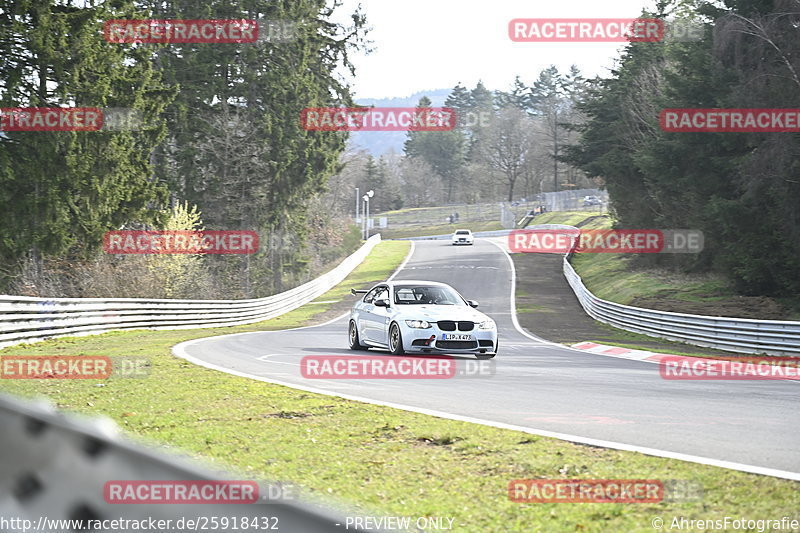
[(757, 307), (589, 220)]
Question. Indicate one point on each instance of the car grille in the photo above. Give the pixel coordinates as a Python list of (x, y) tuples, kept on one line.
[(450, 325), (485, 342), (457, 345)]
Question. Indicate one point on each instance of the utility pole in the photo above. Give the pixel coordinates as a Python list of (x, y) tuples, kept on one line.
[(366, 197), (555, 152)]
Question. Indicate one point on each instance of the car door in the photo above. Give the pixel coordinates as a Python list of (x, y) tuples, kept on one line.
[(375, 318), (365, 307)]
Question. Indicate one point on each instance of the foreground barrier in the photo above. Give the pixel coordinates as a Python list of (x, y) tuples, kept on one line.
[(773, 337), (55, 471)]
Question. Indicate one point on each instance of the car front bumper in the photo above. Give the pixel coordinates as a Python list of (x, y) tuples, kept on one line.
[(430, 340)]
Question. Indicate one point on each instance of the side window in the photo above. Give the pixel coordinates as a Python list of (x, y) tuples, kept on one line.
[(371, 295), (383, 293)]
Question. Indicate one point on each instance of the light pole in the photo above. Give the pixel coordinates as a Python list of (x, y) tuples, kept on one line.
[(366, 197), (357, 202)]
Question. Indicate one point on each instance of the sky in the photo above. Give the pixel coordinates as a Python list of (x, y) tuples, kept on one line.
[(434, 44)]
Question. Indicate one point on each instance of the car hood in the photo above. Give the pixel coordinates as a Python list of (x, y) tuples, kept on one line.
[(434, 313)]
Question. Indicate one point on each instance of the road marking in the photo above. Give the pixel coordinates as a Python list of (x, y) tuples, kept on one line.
[(650, 357), (265, 357)]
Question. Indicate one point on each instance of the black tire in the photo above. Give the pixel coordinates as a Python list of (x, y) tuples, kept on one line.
[(488, 355), (352, 337), (395, 340)]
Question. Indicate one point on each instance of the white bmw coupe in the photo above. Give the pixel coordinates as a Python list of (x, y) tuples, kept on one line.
[(420, 317)]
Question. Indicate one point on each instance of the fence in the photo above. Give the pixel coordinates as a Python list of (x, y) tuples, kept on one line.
[(773, 337), (26, 319)]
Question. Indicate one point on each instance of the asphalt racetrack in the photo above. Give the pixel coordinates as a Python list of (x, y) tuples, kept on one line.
[(540, 387)]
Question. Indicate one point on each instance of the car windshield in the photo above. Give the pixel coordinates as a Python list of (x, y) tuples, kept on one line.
[(462, 232), (426, 294)]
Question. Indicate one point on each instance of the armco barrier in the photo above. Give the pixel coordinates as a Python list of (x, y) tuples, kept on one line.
[(27, 319), (773, 337), (55, 468)]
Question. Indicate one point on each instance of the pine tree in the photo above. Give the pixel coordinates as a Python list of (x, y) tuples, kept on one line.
[(60, 191)]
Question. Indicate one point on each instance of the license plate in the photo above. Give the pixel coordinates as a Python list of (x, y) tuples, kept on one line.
[(456, 337)]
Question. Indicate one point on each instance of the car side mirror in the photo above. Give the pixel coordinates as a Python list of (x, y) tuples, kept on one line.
[(381, 303), (472, 303)]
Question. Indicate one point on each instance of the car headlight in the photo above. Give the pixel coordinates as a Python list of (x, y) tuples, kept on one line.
[(420, 324), (487, 324)]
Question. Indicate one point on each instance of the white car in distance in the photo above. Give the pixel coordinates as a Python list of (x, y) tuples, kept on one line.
[(412, 316), (463, 236)]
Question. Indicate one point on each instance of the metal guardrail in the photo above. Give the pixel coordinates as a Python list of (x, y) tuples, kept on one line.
[(54, 470), (742, 335), (29, 319)]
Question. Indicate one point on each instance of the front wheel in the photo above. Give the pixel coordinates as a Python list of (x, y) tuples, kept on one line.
[(395, 340), (352, 337)]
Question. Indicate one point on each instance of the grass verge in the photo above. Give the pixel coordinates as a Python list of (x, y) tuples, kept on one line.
[(382, 460), (399, 232), (572, 218), (548, 307), (611, 277)]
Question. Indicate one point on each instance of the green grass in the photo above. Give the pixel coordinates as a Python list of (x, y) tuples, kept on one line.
[(421, 230), (438, 229), (570, 218), (437, 215), (532, 308), (384, 461), (611, 277)]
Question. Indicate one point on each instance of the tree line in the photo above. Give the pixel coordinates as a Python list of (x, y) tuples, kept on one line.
[(219, 131), (505, 146), (565, 131), (741, 189)]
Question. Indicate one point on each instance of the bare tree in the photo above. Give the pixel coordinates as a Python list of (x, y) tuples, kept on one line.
[(509, 145)]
